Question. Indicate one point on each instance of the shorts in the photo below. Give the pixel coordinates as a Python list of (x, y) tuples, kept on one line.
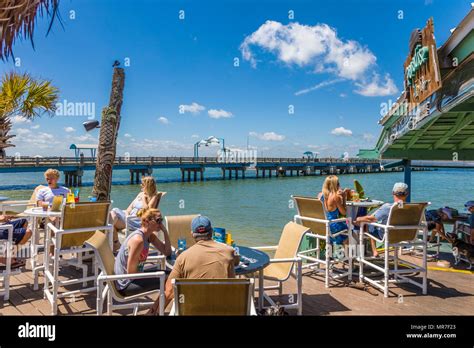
[(376, 232), (18, 230), (138, 286)]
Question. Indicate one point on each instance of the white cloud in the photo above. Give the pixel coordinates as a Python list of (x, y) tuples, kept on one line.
[(194, 136), (127, 135), (19, 119), (193, 108), (21, 131), (214, 113), (343, 95), (36, 126), (268, 136), (375, 88), (341, 131), (318, 86), (69, 129), (319, 48), (163, 120), (85, 137)]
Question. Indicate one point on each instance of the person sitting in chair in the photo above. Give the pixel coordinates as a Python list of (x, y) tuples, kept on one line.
[(207, 259), (133, 252), (400, 194), (21, 235)]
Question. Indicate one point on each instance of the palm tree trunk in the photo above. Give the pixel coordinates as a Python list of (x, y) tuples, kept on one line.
[(108, 138)]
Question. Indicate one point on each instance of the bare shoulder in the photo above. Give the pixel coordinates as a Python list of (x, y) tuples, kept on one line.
[(136, 240)]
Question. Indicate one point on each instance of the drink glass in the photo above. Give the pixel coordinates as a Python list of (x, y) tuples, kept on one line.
[(181, 244), (57, 201), (355, 197), (70, 198), (45, 206)]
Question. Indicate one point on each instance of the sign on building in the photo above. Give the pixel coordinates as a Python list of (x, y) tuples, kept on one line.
[(422, 74)]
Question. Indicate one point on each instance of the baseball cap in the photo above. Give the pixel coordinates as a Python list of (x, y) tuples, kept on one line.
[(400, 188), (469, 204), (201, 224)]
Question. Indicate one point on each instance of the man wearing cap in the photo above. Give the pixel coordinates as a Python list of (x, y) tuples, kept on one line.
[(470, 207), (206, 259), (400, 194)]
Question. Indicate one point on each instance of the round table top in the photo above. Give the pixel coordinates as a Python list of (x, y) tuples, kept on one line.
[(3, 198), (365, 203), (251, 260), (39, 212)]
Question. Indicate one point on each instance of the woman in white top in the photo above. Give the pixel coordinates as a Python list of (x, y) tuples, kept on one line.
[(148, 197)]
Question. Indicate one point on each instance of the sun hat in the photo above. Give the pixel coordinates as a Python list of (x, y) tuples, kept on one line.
[(447, 211), (201, 224), (400, 188)]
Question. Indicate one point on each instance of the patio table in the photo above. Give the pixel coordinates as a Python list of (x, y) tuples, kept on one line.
[(37, 213), (352, 208)]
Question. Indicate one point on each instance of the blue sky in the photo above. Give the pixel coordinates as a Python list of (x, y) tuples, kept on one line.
[(335, 62)]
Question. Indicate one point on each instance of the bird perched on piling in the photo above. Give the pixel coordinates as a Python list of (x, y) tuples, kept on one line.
[(116, 63)]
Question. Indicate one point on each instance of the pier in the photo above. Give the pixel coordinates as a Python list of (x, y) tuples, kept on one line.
[(192, 169)]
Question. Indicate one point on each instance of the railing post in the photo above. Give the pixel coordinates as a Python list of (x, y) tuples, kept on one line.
[(151, 160)]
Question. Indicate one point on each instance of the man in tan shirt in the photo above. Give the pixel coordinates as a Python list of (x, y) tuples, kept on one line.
[(206, 259)]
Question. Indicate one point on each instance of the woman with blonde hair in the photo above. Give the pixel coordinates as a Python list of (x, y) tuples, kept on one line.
[(334, 200), (149, 197), (133, 252)]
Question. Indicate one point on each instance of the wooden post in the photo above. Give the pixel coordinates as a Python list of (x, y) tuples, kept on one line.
[(230, 174), (182, 175), (236, 174), (195, 174), (223, 173), (202, 174), (108, 138), (189, 175)]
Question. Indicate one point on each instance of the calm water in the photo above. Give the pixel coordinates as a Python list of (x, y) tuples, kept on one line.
[(255, 211)]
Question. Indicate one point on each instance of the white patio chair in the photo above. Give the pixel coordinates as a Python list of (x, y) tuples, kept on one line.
[(79, 221), (403, 224), (286, 263), (101, 245), (213, 297), (311, 213), (6, 247)]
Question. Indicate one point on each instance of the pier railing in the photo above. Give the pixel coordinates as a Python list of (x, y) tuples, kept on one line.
[(156, 160)]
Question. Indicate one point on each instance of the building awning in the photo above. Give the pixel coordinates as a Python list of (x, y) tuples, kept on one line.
[(445, 132)]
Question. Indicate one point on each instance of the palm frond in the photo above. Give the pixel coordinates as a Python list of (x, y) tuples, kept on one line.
[(18, 19)]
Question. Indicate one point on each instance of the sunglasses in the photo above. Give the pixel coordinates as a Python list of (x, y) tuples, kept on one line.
[(158, 220)]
